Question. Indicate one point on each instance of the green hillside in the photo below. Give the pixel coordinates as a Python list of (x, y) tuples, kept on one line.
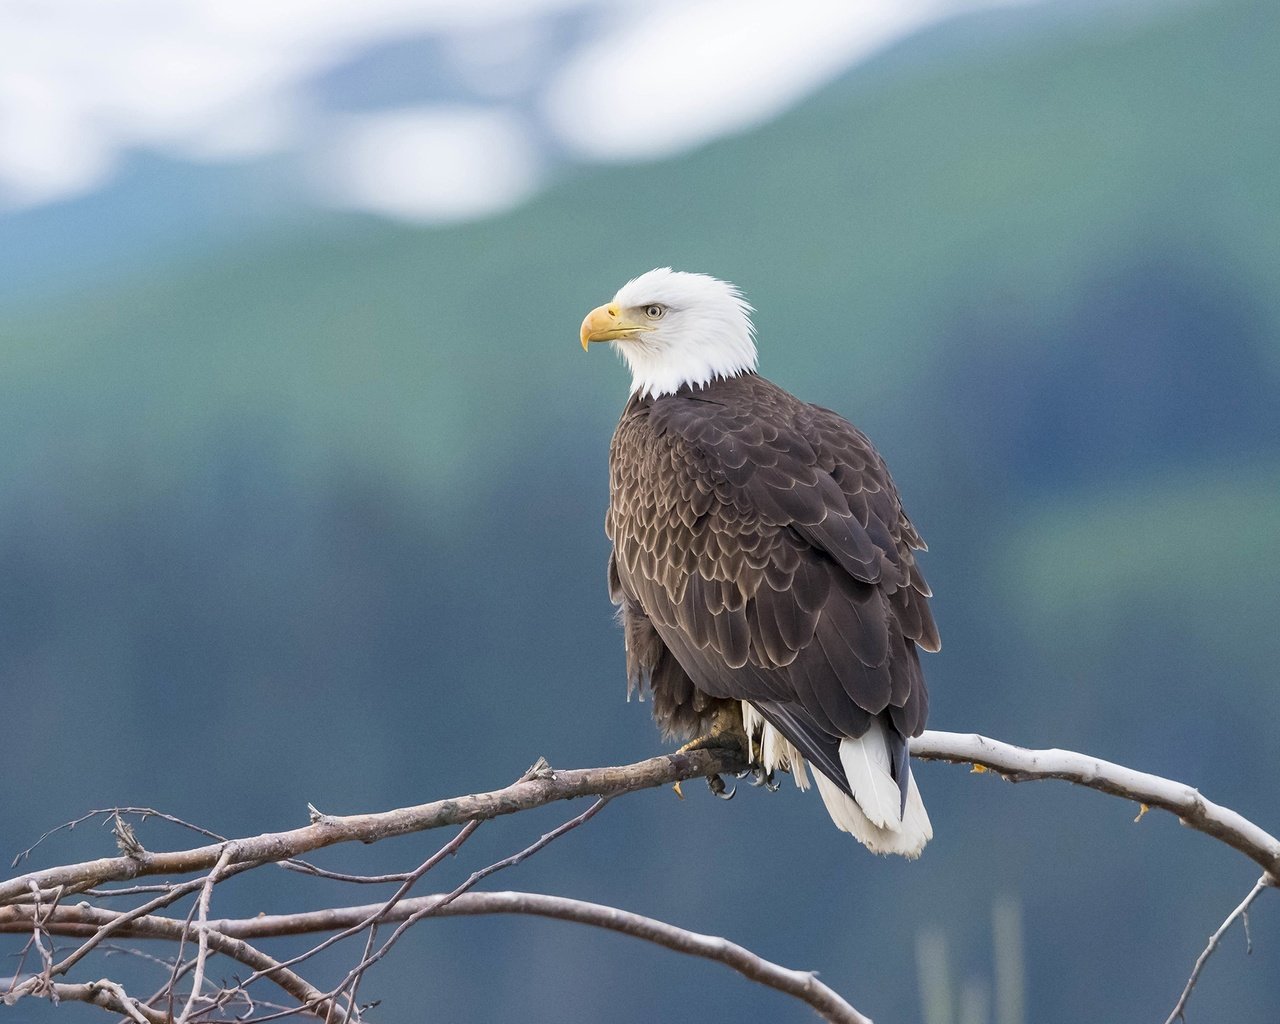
[(866, 227)]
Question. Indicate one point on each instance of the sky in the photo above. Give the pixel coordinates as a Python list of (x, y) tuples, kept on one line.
[(504, 90)]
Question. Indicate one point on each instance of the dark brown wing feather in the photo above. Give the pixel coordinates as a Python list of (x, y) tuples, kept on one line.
[(679, 707), (761, 542)]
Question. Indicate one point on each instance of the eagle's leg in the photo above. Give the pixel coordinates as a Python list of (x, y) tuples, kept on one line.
[(726, 732)]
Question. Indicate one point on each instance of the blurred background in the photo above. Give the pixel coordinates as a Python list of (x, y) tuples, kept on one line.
[(304, 472)]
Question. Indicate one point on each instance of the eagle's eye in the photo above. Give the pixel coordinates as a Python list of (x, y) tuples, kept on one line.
[(655, 311)]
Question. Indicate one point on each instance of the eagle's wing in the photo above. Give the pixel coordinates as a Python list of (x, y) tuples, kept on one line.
[(772, 555)]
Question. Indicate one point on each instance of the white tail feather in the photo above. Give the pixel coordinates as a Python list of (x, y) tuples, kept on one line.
[(866, 766), (871, 818), (908, 839)]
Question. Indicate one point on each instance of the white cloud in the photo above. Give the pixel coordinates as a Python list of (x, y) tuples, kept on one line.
[(81, 81), (670, 75), (45, 150), (84, 81), (430, 164)]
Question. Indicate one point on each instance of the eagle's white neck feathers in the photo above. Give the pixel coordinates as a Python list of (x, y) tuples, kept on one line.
[(705, 332)]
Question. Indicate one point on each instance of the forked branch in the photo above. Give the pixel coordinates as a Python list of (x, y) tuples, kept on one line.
[(38, 903)]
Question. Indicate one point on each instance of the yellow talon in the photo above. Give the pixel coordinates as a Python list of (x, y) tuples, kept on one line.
[(1142, 809), (726, 731), (978, 769), (679, 791)]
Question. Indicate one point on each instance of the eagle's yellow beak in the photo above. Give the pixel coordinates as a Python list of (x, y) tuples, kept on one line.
[(605, 323)]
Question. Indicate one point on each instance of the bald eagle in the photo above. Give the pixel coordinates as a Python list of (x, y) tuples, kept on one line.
[(762, 562)]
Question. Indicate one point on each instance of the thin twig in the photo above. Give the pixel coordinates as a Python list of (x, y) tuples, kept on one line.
[(110, 949), (303, 867), (1242, 911), (108, 814), (46, 954), (172, 992), (83, 919), (131, 890), (471, 882), (31, 985), (447, 850), (180, 970), (352, 1008), (118, 921), (202, 932)]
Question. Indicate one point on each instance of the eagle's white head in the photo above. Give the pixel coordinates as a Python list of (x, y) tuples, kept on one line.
[(674, 329)]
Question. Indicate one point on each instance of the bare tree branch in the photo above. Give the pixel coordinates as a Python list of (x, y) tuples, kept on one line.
[(329, 830), (110, 813), (110, 996), (801, 984), (34, 903), (1242, 911), (371, 922), (1019, 764), (475, 878), (1014, 763), (202, 932), (85, 920)]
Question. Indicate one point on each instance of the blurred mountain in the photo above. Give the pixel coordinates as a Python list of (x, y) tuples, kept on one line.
[(315, 513), (260, 170), (159, 205)]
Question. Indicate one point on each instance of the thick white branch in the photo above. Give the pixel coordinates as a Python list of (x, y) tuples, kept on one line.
[(1019, 764)]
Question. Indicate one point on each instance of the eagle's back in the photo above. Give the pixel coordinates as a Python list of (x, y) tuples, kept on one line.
[(764, 541)]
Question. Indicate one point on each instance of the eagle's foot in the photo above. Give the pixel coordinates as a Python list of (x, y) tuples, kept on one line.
[(725, 740), (726, 732), (761, 777)]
